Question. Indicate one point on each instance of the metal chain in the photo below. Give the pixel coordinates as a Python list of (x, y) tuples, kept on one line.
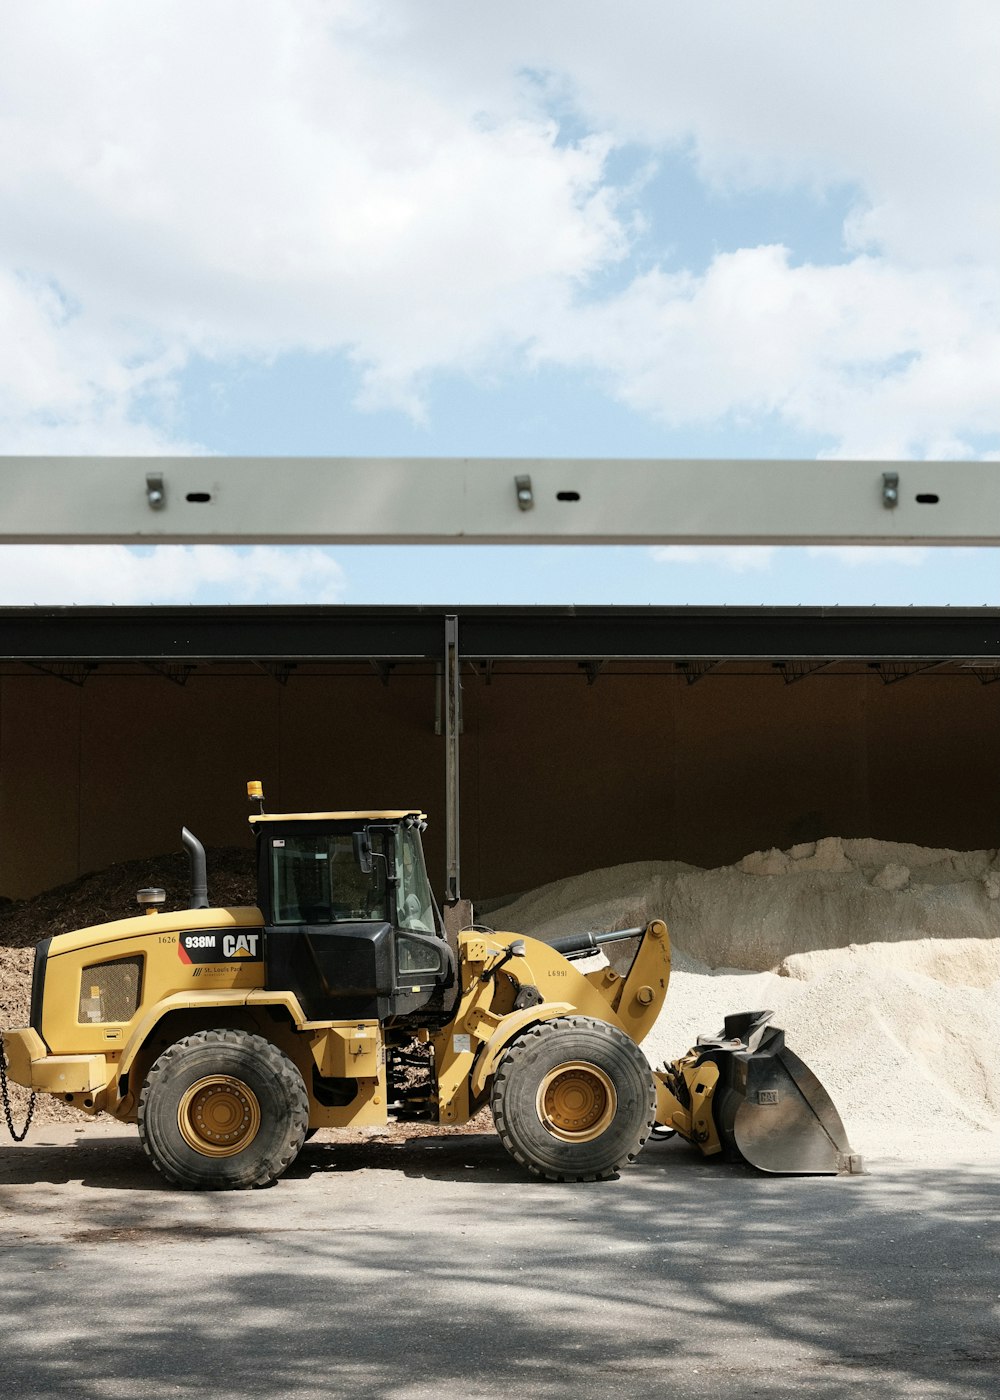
[(5, 1095)]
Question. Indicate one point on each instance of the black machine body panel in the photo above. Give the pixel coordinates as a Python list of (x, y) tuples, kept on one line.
[(352, 972), (351, 928), (38, 983)]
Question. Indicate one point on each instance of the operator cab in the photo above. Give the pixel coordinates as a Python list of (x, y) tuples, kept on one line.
[(350, 924)]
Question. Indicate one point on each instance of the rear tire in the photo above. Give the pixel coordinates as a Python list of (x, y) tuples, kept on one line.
[(223, 1110), (573, 1099)]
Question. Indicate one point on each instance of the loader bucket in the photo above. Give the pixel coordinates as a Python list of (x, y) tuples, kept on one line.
[(769, 1107)]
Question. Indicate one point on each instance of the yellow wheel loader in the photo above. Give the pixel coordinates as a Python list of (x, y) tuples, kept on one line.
[(230, 1035)]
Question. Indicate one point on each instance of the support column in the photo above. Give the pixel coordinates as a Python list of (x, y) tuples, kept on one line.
[(452, 728)]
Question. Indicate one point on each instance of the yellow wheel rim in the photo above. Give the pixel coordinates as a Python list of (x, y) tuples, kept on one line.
[(576, 1102), (219, 1116)]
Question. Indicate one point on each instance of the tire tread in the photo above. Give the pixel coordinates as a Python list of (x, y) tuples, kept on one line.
[(521, 1050), (267, 1054)]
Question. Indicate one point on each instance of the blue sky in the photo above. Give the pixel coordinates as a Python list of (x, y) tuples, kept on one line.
[(333, 227)]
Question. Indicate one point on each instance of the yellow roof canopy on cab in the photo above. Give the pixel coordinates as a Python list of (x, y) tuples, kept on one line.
[(338, 816), (255, 791)]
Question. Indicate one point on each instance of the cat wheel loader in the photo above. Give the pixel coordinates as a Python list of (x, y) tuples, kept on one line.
[(230, 1035)]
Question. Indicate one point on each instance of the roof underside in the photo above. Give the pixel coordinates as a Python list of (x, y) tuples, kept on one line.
[(689, 641)]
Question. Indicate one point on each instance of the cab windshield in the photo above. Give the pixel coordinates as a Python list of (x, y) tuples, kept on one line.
[(316, 879)]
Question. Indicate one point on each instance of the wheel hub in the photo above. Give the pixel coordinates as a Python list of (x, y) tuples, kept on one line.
[(576, 1101), (219, 1116)]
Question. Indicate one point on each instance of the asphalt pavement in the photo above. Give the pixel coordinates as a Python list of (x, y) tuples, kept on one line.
[(406, 1269)]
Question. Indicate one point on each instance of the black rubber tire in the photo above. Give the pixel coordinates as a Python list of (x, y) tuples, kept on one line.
[(274, 1081), (521, 1072)]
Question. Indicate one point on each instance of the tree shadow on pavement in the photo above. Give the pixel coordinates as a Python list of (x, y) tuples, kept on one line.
[(407, 1274)]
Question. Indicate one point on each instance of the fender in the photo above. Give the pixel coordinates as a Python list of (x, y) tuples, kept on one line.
[(511, 1026), (207, 1001)]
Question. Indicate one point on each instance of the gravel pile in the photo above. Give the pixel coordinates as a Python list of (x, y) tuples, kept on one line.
[(881, 961)]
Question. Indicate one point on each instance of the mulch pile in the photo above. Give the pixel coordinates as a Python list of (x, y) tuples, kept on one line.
[(109, 894)]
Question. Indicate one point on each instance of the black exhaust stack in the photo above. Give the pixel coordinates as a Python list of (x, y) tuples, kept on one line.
[(199, 870)]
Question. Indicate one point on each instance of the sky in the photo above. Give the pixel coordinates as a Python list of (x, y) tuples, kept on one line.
[(369, 227)]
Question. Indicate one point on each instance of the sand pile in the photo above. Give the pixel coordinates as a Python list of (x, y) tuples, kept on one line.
[(772, 904), (912, 1064), (881, 962)]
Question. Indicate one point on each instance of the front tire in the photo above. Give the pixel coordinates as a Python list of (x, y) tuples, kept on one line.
[(573, 1099), (223, 1110)]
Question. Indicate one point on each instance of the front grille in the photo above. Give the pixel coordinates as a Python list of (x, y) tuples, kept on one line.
[(110, 991)]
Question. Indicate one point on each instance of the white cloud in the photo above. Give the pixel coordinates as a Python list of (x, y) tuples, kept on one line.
[(246, 177), (867, 556), (108, 574), (774, 559), (192, 181), (735, 559), (774, 94), (68, 386), (886, 361)]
